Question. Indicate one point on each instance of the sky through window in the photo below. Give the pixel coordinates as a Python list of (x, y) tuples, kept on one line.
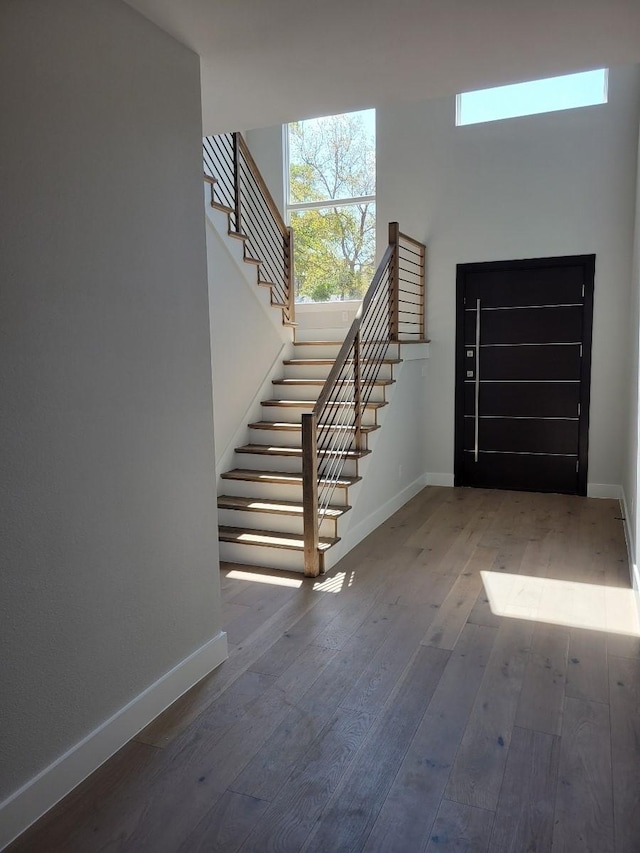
[(537, 96)]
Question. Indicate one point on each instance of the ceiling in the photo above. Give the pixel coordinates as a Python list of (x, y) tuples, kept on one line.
[(270, 61)]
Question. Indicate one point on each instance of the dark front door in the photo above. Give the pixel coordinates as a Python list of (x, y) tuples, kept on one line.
[(523, 363)]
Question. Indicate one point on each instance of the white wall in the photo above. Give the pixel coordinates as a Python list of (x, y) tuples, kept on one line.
[(555, 184), (109, 575), (265, 144), (247, 340), (632, 462), (397, 469)]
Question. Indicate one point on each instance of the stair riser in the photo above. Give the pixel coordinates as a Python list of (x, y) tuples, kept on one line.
[(311, 392), (331, 350), (283, 463), (321, 371), (256, 555), (292, 438), (317, 351), (293, 414), (269, 521), (275, 491)]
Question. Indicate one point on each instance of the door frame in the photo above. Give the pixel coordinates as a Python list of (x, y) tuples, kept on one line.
[(588, 262)]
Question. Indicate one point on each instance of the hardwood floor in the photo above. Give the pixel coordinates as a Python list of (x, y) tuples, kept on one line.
[(468, 679)]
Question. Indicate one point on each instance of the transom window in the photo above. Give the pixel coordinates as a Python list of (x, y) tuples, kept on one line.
[(331, 205), (537, 96)]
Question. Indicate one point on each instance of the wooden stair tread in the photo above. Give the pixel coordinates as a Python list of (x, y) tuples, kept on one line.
[(216, 205), (309, 404), (287, 381), (271, 538), (315, 362), (277, 507), (337, 343), (287, 478), (287, 426), (296, 452)]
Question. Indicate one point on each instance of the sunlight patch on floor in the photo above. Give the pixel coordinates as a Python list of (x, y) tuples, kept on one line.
[(276, 580), (569, 603), (332, 584)]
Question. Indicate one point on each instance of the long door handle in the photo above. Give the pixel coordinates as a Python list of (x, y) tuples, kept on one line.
[(477, 388)]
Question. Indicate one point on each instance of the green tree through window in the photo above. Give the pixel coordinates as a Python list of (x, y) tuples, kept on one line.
[(332, 205)]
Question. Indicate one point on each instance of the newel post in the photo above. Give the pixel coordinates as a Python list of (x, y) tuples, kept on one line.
[(394, 282), (357, 391), (423, 264), (310, 495)]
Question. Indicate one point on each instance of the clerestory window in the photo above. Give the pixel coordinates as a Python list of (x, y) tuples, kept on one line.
[(331, 205), (568, 92)]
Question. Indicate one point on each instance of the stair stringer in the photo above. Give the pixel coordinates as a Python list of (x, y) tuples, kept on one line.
[(248, 341), (218, 224), (226, 459)]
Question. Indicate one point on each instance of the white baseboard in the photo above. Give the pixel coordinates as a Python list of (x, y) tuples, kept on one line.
[(42, 792), (439, 479), (594, 490), (634, 573), (604, 490)]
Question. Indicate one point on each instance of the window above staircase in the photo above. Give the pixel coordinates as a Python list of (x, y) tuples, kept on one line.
[(331, 177)]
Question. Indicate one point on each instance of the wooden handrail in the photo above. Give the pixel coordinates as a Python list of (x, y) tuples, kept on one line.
[(408, 239), (255, 171)]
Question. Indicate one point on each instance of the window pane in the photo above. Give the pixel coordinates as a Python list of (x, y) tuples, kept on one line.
[(538, 96), (332, 157), (334, 252)]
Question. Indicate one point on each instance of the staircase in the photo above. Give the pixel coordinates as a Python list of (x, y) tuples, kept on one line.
[(262, 508), (283, 505)]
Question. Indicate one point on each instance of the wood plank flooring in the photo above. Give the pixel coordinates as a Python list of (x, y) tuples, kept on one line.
[(455, 683)]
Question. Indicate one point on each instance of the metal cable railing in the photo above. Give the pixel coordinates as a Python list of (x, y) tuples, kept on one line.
[(237, 186), (392, 311), (410, 269)]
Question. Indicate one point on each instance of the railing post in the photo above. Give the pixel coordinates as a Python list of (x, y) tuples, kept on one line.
[(310, 494), (289, 275), (357, 391), (394, 282), (423, 264), (236, 183)]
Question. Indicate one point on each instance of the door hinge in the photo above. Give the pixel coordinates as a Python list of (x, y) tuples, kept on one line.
[(578, 409), (577, 465), (583, 291), (580, 350)]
